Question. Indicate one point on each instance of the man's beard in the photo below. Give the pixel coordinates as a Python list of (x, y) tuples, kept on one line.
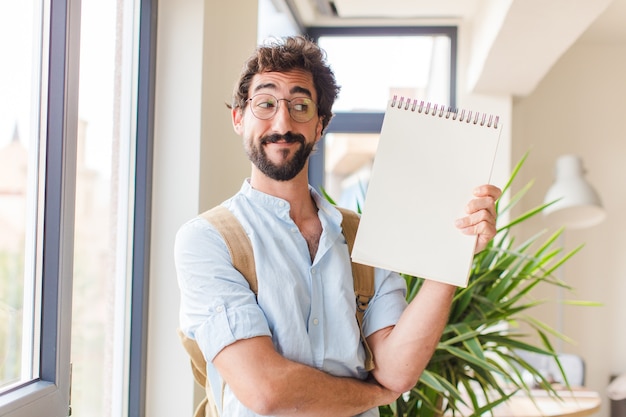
[(289, 168)]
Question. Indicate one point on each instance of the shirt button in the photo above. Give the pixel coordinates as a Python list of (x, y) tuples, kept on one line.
[(281, 204), (316, 322), (219, 309), (313, 271)]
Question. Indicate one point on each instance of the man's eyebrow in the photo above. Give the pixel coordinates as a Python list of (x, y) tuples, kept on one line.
[(298, 89), (271, 86), (294, 90)]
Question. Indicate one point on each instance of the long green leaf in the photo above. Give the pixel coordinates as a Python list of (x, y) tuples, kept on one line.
[(491, 319)]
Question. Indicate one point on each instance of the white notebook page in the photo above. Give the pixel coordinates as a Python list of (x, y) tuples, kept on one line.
[(425, 169)]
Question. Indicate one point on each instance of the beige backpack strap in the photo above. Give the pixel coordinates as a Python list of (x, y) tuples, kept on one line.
[(242, 257), (363, 276), (207, 407), (237, 241)]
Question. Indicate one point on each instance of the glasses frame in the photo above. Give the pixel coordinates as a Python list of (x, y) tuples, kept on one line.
[(289, 107)]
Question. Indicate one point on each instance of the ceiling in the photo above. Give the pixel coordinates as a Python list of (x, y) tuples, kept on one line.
[(505, 35)]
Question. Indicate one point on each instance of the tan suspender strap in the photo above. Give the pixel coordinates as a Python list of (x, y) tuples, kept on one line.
[(363, 285), (242, 257), (237, 241), (207, 407), (363, 277)]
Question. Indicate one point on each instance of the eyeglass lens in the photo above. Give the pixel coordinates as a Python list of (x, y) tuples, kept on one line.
[(265, 106)]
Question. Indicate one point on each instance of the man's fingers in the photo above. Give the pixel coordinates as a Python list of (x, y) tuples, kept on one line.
[(488, 190)]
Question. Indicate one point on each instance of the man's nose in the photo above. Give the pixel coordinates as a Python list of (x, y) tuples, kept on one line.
[(282, 118)]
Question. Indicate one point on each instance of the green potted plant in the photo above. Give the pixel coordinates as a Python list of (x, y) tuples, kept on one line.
[(477, 362), (478, 354)]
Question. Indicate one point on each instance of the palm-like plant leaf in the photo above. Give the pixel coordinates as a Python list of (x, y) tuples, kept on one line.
[(478, 351)]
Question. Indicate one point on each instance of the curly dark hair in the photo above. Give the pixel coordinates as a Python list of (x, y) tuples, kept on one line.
[(289, 53)]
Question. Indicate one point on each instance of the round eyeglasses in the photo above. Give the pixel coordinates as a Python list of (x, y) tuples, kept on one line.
[(265, 106)]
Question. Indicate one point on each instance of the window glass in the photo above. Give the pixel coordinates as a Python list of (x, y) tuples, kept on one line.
[(371, 69), (104, 174), (348, 163), (20, 78), (103, 203)]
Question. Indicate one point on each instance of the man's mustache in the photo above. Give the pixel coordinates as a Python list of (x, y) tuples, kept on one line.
[(287, 137)]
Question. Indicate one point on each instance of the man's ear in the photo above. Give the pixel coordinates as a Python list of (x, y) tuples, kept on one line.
[(319, 128), (237, 118)]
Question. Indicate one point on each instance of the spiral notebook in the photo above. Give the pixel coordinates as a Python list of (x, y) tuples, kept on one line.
[(429, 160)]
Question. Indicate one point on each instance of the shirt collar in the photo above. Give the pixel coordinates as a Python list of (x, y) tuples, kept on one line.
[(282, 206)]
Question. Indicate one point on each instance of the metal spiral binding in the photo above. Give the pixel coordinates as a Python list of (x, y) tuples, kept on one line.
[(412, 105)]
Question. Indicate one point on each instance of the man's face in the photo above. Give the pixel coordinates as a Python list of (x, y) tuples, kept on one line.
[(279, 146)]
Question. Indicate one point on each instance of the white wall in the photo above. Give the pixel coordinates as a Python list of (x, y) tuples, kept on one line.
[(175, 197), (498, 105), (580, 107), (230, 36), (200, 49)]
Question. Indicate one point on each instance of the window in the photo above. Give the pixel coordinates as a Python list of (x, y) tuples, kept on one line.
[(75, 168), (371, 65), (20, 204), (105, 175), (39, 103), (415, 65)]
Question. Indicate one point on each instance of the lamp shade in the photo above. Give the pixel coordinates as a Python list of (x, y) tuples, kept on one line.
[(578, 204)]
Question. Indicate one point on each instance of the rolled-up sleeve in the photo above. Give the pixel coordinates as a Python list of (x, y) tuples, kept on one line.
[(217, 307), (389, 302)]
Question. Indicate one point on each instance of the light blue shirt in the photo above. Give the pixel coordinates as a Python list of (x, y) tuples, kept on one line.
[(307, 308)]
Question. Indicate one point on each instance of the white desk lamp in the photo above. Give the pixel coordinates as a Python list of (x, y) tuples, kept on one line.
[(578, 204), (578, 207)]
